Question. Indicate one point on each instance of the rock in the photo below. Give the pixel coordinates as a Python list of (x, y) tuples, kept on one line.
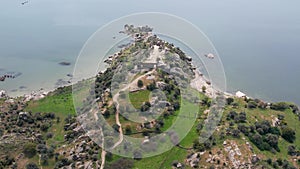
[(2, 94), (254, 159), (65, 63)]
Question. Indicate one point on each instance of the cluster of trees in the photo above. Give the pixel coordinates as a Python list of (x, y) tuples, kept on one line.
[(204, 146), (281, 106), (237, 117), (264, 136), (31, 166), (6, 161), (103, 81), (280, 164)]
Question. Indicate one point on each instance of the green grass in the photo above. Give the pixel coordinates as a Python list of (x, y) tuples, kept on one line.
[(162, 161), (138, 98), (258, 114), (59, 102)]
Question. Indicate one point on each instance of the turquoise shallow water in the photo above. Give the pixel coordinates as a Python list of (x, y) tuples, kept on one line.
[(258, 42)]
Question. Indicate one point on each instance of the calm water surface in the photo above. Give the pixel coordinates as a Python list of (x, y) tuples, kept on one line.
[(258, 42)]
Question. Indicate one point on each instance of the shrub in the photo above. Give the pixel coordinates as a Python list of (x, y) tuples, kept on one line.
[(31, 166), (281, 106), (151, 86), (242, 117), (292, 150), (263, 127), (128, 129), (140, 83), (232, 115), (29, 150), (244, 129), (252, 105), (258, 141), (288, 134), (229, 100)]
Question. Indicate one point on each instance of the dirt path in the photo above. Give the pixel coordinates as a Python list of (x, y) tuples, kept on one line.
[(115, 100), (103, 152)]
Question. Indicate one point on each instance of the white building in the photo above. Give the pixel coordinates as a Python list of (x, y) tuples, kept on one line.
[(240, 94)]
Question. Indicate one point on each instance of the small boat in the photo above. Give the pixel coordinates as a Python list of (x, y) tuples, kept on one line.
[(2, 78), (210, 56), (25, 2)]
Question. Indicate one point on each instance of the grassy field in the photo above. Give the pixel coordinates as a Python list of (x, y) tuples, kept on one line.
[(60, 103), (138, 98)]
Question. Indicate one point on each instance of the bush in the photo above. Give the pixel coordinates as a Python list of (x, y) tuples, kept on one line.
[(241, 117), (140, 83), (288, 134), (232, 115), (128, 129), (263, 127), (151, 86), (31, 166), (29, 150), (44, 127), (106, 114), (252, 105), (281, 106), (272, 140), (229, 100), (137, 155), (292, 150), (258, 141), (236, 133), (244, 129)]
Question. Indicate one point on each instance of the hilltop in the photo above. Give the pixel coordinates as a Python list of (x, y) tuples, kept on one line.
[(47, 133)]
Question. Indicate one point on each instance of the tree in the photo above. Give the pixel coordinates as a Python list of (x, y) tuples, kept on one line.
[(272, 140), (31, 166), (44, 126), (146, 106), (108, 156), (137, 155), (29, 150), (151, 86), (140, 83), (128, 129), (288, 134), (292, 150), (231, 115), (252, 105), (236, 133), (106, 113), (116, 127), (242, 117), (244, 129), (229, 100), (281, 106), (44, 158), (203, 89)]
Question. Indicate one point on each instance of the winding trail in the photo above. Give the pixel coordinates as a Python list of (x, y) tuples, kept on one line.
[(103, 152), (115, 100)]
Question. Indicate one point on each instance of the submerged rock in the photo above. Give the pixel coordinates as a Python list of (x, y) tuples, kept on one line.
[(64, 63)]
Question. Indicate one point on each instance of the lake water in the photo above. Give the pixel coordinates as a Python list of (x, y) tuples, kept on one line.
[(258, 42)]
